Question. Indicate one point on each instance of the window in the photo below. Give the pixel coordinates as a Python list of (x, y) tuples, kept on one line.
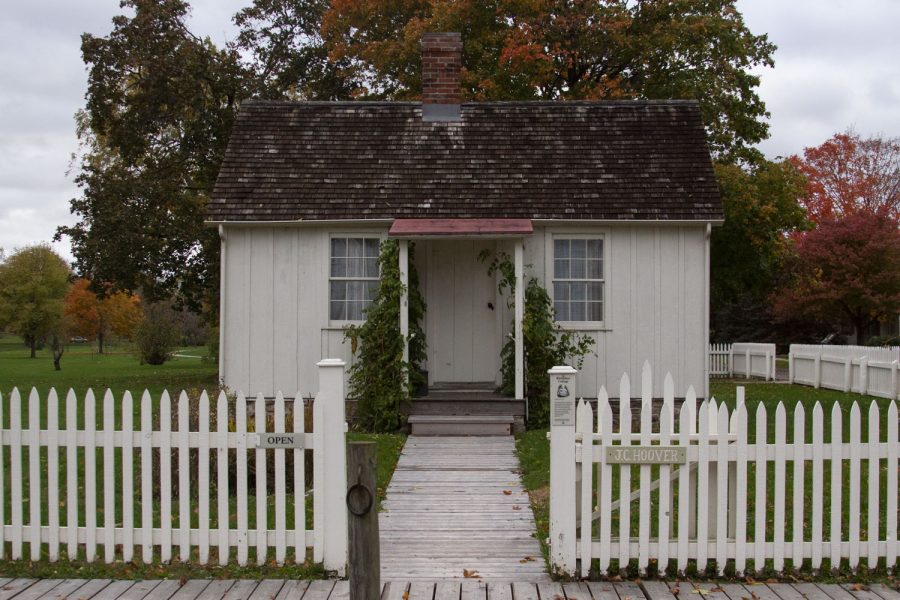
[(353, 278), (578, 279)]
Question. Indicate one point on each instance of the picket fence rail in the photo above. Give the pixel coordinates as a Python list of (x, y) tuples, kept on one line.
[(713, 506), (863, 369), (125, 521)]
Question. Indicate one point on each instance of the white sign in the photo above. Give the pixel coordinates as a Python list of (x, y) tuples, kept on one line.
[(646, 455), (279, 440), (562, 403)]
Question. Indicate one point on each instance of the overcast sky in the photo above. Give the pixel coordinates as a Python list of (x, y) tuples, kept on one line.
[(836, 66)]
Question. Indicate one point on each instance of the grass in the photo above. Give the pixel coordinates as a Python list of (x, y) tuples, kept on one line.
[(119, 370), (533, 449)]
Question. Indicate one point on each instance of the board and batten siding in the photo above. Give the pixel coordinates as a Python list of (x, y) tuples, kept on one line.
[(275, 324)]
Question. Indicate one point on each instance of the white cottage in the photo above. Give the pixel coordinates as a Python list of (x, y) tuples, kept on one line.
[(608, 204)]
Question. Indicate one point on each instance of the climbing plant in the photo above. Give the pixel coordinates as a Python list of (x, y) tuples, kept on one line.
[(377, 377), (546, 344)]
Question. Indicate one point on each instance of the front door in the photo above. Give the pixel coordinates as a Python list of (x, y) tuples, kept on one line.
[(463, 329)]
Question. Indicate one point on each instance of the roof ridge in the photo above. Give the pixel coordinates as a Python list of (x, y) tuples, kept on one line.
[(499, 103)]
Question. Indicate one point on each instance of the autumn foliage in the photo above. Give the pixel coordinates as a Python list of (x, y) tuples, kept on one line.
[(847, 268), (93, 317), (849, 174)]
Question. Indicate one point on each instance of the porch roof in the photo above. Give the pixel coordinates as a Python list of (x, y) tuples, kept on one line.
[(407, 228)]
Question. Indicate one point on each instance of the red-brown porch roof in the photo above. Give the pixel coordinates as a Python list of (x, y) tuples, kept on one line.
[(460, 227)]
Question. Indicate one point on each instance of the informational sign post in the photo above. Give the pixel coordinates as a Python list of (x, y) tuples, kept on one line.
[(562, 467)]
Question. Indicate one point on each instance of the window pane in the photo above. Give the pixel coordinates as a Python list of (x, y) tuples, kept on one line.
[(596, 311), (594, 269), (338, 267), (355, 267), (560, 290), (354, 311), (579, 291), (561, 248), (595, 290), (577, 311), (355, 290), (371, 247), (561, 269), (338, 311), (338, 290), (562, 311), (595, 248), (579, 248), (355, 247), (371, 267), (371, 290), (577, 269), (338, 246)]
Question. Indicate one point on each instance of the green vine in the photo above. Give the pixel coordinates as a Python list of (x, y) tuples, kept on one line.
[(377, 376), (546, 343)]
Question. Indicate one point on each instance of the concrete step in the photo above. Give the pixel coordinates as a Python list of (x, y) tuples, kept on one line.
[(461, 424), (451, 407)]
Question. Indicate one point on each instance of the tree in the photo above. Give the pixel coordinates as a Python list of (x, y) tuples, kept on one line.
[(749, 250), (160, 106), (848, 268), (158, 334), (569, 50), (95, 317), (847, 174), (33, 284)]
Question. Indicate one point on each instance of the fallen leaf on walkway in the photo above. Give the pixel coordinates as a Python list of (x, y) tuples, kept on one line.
[(473, 574), (675, 590), (717, 590), (405, 595), (527, 559), (858, 587), (702, 592), (517, 507), (507, 492)]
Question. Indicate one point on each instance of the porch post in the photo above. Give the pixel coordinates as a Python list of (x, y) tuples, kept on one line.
[(404, 300), (520, 314)]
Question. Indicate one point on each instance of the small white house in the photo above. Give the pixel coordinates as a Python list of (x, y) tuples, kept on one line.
[(608, 204)]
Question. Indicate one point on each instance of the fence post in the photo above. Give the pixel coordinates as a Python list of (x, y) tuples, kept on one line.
[(362, 504), (747, 364), (817, 367), (848, 374), (790, 367), (864, 375), (331, 483), (894, 365), (562, 470), (730, 360)]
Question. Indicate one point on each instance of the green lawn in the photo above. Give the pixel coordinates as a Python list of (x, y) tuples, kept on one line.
[(120, 370), (534, 450)]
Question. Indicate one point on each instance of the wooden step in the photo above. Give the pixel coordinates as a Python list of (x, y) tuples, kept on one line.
[(461, 424), (448, 407)]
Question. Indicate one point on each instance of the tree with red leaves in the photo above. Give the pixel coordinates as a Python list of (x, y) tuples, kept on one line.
[(848, 174), (845, 268)]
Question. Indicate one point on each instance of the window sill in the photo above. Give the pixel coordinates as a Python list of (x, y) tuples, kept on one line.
[(583, 326)]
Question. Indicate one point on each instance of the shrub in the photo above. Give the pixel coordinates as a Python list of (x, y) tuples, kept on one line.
[(157, 335)]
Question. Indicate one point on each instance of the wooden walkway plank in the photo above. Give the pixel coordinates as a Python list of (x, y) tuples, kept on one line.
[(113, 590), (165, 590), (762, 591), (736, 591), (447, 590), (861, 592), (576, 590), (657, 590), (292, 590), (629, 590), (473, 590), (341, 591), (786, 591), (216, 589), (884, 591), (835, 591), (90, 589), (190, 590), (394, 590), (40, 587), (499, 591), (64, 589), (811, 591), (241, 590), (267, 589), (602, 590), (319, 590), (525, 591), (420, 590), (551, 591)]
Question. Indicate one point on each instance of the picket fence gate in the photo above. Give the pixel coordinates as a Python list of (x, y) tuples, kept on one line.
[(133, 523), (864, 369), (719, 362), (713, 506)]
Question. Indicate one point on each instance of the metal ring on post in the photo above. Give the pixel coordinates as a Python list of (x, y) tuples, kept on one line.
[(358, 489)]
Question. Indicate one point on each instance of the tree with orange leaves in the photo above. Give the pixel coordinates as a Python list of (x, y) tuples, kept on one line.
[(94, 317), (849, 174), (567, 50)]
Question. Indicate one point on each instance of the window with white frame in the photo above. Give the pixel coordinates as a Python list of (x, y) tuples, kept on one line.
[(353, 277), (578, 278)]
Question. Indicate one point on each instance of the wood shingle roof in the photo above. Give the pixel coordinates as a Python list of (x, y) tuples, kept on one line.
[(619, 160)]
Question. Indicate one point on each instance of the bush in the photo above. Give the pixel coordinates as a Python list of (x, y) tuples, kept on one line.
[(884, 340), (157, 335)]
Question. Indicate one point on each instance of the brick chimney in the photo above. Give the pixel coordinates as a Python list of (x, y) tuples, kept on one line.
[(441, 64)]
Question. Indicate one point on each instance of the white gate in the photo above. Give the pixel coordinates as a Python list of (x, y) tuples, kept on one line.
[(703, 487), (125, 463)]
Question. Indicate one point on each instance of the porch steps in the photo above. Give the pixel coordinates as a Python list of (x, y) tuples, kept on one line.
[(461, 424), (465, 409)]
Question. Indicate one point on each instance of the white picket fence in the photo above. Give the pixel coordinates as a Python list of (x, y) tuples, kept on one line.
[(862, 369), (138, 523), (753, 360), (719, 360), (713, 504)]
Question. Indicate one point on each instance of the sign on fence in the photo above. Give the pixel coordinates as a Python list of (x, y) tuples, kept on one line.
[(750, 492), (645, 455)]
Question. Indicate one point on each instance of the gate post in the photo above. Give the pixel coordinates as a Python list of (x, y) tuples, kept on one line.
[(562, 470), (365, 553), (330, 466)]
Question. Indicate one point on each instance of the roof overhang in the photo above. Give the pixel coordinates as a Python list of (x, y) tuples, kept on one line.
[(445, 228)]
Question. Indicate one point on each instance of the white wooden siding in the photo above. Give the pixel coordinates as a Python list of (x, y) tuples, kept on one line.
[(275, 314)]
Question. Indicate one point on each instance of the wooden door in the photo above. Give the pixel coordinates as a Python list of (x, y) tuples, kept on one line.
[(462, 327)]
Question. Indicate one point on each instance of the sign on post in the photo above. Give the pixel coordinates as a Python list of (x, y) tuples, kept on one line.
[(562, 468)]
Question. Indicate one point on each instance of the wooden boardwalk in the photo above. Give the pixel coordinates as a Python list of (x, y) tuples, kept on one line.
[(279, 589), (456, 506)]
